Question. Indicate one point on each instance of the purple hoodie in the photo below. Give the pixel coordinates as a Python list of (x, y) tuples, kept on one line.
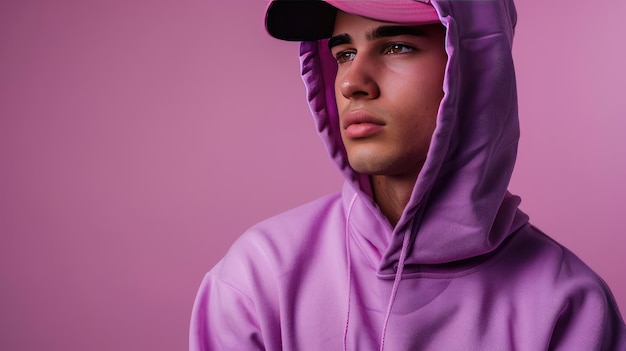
[(462, 270)]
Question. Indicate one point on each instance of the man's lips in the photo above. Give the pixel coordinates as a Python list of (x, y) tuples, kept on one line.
[(360, 124)]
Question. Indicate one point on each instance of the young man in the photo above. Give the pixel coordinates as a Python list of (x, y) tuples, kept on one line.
[(424, 248)]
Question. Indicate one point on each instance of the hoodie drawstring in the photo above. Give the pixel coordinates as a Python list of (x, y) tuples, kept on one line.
[(396, 281), (396, 284), (347, 232)]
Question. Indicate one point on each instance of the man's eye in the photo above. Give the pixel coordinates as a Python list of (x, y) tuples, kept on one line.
[(345, 56), (394, 49)]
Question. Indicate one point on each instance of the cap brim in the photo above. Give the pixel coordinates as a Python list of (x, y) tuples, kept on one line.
[(307, 20), (300, 20)]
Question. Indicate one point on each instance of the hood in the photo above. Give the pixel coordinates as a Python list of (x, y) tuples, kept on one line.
[(459, 208)]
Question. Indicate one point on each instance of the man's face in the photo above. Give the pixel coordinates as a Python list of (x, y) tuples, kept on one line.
[(388, 88)]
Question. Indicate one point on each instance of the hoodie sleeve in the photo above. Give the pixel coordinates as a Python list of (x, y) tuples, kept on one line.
[(223, 318), (589, 320)]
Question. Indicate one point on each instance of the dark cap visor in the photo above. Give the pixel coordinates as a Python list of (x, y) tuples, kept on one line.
[(300, 20)]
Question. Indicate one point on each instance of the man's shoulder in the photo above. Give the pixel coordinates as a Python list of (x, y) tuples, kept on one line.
[(323, 207), (288, 228), (537, 257), (286, 239)]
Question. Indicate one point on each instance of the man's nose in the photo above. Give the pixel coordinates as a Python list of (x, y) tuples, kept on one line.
[(357, 80)]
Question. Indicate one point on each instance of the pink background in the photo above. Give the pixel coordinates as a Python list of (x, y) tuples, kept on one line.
[(139, 138)]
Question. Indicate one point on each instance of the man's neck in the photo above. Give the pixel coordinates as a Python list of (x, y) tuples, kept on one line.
[(392, 194)]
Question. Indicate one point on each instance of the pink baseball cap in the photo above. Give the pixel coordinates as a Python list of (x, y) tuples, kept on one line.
[(306, 20)]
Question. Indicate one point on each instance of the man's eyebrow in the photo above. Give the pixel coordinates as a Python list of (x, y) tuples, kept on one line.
[(392, 31), (377, 33), (339, 40)]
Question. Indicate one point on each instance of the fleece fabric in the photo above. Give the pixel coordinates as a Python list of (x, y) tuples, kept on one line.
[(463, 269)]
